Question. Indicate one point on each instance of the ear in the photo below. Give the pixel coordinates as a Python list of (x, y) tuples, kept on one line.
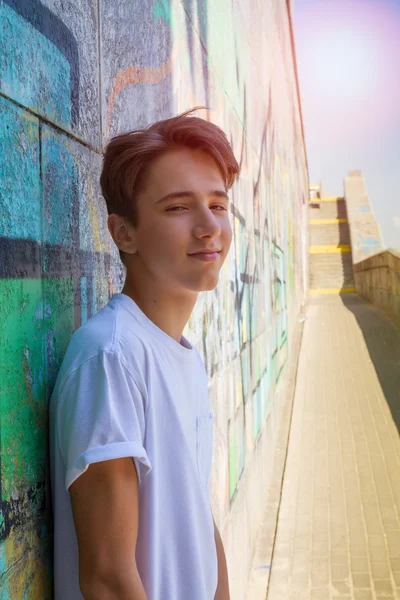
[(123, 233)]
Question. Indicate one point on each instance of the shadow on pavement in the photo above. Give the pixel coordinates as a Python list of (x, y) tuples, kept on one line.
[(382, 338)]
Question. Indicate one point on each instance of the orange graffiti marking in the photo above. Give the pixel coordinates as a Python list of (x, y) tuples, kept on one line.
[(137, 75)]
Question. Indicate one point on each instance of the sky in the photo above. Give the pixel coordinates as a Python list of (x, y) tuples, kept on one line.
[(348, 54)]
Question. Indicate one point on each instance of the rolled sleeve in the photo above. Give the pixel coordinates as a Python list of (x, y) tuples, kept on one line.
[(110, 452), (101, 416)]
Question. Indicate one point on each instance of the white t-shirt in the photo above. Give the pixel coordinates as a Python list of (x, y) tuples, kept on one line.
[(126, 388)]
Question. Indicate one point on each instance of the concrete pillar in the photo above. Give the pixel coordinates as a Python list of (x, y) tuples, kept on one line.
[(366, 237)]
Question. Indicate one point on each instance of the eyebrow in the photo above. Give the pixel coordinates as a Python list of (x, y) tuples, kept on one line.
[(184, 194)]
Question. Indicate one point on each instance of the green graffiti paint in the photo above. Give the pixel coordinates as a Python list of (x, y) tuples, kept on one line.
[(36, 325), (23, 407), (162, 10)]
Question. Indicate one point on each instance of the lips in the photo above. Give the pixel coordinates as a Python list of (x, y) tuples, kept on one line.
[(212, 251), (206, 256)]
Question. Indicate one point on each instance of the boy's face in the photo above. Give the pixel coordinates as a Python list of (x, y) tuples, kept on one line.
[(183, 210)]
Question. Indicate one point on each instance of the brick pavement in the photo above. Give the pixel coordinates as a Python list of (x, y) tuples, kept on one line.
[(338, 533)]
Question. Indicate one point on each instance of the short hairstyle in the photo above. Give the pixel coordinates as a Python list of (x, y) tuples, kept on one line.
[(127, 157)]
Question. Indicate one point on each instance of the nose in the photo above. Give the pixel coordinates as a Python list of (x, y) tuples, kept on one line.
[(207, 224)]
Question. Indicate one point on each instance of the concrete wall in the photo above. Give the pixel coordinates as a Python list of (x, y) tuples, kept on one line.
[(365, 233), (376, 271), (378, 281), (71, 75)]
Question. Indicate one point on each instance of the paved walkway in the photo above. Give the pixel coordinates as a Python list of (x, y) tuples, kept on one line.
[(338, 534)]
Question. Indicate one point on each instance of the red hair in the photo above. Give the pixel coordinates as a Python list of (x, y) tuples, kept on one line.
[(128, 156)]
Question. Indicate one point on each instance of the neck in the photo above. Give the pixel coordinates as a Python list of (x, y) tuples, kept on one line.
[(167, 308)]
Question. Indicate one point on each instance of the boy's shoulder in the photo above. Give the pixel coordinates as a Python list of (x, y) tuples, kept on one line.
[(111, 331)]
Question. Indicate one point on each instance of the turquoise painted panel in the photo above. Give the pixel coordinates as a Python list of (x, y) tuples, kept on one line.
[(60, 188), (19, 173), (84, 312), (58, 311), (3, 568), (32, 70)]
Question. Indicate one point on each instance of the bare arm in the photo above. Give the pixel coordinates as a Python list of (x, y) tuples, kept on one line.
[(105, 508), (222, 592)]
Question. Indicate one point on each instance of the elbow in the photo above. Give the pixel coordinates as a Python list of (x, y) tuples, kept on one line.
[(96, 585), (111, 584)]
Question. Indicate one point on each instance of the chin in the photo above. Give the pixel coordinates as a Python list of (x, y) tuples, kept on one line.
[(206, 286), (209, 288), (205, 283)]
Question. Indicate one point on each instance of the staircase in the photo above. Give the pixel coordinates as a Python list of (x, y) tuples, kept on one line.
[(331, 265)]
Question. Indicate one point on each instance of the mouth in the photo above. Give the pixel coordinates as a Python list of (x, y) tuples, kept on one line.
[(206, 251), (206, 255)]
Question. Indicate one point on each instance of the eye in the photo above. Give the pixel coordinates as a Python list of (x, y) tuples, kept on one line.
[(175, 209), (220, 207)]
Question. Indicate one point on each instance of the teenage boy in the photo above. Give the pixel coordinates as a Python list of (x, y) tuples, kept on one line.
[(130, 425)]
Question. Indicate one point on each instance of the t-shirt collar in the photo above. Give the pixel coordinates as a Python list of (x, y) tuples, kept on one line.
[(184, 349)]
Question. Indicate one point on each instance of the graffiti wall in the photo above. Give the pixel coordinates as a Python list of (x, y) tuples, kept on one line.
[(71, 75)]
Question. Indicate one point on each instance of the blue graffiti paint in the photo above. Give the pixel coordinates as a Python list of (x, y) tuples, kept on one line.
[(60, 184), (19, 173), (33, 71), (84, 312), (94, 296), (3, 569), (369, 244)]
